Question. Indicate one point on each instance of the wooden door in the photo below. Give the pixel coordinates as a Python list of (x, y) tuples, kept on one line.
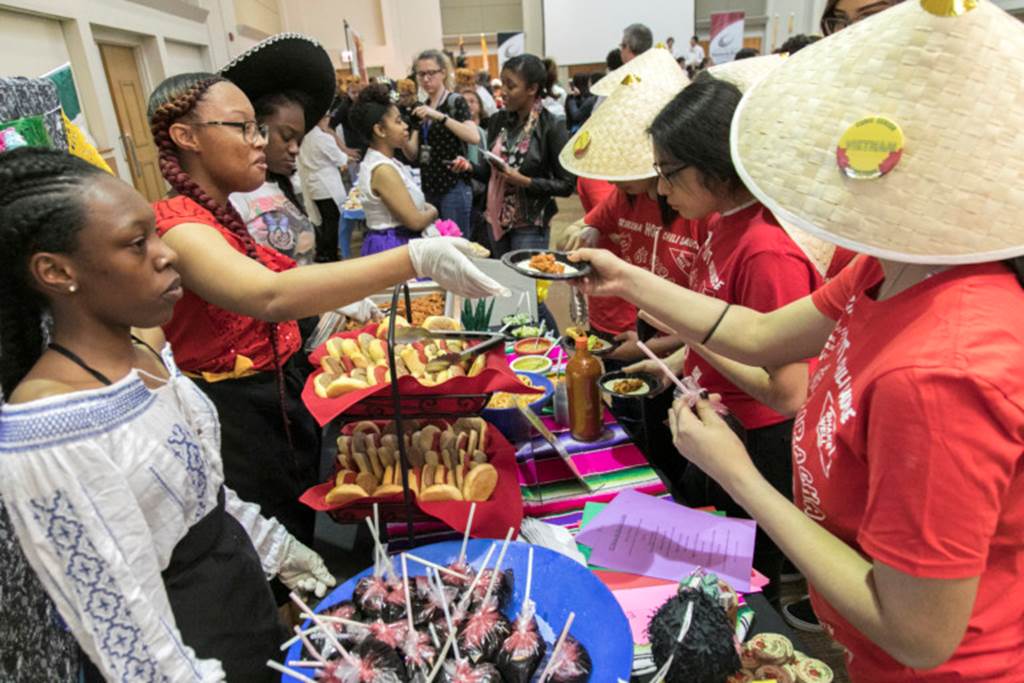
[(129, 95)]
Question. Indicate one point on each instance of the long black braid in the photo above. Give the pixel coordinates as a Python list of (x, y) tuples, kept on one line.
[(268, 106), (175, 99), (40, 211)]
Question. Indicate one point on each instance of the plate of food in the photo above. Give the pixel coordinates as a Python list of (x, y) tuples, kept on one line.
[(622, 384), (544, 264), (595, 344)]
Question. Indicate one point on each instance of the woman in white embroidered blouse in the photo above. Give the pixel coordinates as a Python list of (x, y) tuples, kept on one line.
[(110, 461)]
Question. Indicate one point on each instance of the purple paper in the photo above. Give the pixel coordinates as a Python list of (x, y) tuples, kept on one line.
[(641, 534)]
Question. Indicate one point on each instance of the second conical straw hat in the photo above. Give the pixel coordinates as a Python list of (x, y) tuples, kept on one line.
[(898, 137), (656, 66), (613, 144), (746, 73)]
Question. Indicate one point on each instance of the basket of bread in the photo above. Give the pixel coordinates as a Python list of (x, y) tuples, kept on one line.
[(355, 374), (450, 466)]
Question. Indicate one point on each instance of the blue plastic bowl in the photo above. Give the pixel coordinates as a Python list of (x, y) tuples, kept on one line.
[(560, 586), (509, 421)]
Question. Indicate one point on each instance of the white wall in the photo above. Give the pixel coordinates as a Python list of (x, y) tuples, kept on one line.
[(32, 45), (184, 58), (582, 33)]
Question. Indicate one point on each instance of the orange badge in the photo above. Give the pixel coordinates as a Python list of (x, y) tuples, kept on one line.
[(870, 148), (949, 8)]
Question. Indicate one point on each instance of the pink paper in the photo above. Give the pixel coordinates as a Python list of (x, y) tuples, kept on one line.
[(640, 604), (645, 535)]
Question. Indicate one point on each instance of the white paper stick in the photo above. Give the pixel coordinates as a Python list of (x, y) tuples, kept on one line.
[(294, 639), (408, 599), (464, 603), (288, 672), (497, 566), (328, 631), (440, 657), (465, 536), (306, 664), (558, 646), (529, 580), (434, 565), (317, 655), (447, 614)]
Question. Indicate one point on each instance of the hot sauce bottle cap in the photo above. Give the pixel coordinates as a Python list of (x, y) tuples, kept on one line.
[(581, 343)]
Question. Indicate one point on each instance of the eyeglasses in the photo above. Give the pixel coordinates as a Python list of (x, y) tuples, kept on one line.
[(834, 23), (429, 74), (667, 174), (249, 128)]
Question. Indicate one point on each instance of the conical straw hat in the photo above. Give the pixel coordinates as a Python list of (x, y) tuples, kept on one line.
[(746, 73), (898, 137), (657, 65), (613, 144)]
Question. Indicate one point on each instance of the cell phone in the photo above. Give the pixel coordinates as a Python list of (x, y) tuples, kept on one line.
[(495, 159)]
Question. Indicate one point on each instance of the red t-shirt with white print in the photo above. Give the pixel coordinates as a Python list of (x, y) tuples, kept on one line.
[(911, 450), (747, 259), (631, 228)]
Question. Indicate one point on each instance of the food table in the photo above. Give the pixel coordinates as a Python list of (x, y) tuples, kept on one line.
[(551, 493)]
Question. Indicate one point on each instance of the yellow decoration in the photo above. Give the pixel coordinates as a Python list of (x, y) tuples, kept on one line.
[(870, 148), (243, 368), (79, 145), (579, 148), (542, 290), (949, 8), (631, 79)]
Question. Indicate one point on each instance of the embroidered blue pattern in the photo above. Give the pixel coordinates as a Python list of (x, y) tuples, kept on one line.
[(97, 595), (186, 449), (31, 428)]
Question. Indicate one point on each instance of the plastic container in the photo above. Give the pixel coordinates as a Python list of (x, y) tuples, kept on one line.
[(509, 421)]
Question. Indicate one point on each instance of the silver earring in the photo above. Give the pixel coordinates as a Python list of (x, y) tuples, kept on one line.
[(73, 288)]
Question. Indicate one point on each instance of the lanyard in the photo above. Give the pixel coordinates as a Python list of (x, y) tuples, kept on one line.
[(425, 126)]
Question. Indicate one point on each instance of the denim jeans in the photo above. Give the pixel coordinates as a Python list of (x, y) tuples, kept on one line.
[(533, 237), (456, 205)]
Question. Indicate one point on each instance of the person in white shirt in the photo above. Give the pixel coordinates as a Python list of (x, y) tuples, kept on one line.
[(395, 208), (321, 163), (487, 101), (694, 56)]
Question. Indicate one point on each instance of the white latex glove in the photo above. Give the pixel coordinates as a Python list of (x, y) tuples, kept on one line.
[(431, 231), (445, 261), (586, 237), (303, 570), (361, 311)]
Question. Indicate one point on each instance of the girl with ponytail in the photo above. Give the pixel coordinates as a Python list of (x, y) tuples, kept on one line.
[(111, 475), (235, 328)]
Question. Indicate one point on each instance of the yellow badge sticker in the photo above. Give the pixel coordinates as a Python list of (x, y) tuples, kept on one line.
[(870, 148), (582, 144), (630, 79), (949, 8)]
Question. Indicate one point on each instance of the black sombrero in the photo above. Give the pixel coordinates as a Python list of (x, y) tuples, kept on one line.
[(286, 61)]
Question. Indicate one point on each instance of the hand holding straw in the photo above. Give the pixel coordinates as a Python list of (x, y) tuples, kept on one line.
[(689, 391)]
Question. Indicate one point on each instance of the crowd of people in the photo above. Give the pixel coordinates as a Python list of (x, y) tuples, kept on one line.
[(847, 311)]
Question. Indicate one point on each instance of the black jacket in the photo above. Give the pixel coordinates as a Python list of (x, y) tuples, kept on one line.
[(578, 109), (541, 164)]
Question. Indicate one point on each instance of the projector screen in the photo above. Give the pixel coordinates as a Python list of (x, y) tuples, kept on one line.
[(577, 32)]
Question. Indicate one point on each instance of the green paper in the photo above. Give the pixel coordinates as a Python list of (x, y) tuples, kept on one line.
[(31, 128)]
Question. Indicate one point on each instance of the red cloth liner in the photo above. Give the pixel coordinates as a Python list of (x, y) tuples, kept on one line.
[(492, 518), (496, 376)]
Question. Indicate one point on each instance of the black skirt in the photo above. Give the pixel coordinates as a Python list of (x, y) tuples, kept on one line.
[(260, 464)]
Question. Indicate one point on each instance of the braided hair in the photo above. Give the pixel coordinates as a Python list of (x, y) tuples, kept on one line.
[(40, 210), (176, 99)]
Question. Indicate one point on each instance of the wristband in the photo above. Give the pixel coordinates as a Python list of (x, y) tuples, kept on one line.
[(714, 327)]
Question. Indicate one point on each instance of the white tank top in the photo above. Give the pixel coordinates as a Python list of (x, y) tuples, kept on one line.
[(378, 217)]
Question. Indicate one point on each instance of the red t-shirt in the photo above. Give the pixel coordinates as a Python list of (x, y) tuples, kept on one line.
[(631, 227), (207, 338), (746, 258), (593, 192), (911, 450)]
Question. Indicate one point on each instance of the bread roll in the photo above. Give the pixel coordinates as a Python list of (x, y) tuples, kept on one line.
[(480, 483)]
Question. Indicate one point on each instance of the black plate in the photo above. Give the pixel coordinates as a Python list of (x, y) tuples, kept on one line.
[(569, 344), (652, 383), (513, 258)]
